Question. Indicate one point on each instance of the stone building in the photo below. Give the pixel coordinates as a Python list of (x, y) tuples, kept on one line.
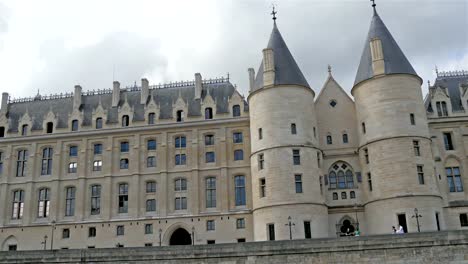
[(196, 162)]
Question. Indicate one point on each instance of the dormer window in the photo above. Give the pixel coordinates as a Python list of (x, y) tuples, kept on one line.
[(125, 121), (74, 125), (180, 116), (208, 113), (236, 111), (50, 128), (2, 132), (329, 140), (98, 123), (441, 108), (24, 130), (151, 117)]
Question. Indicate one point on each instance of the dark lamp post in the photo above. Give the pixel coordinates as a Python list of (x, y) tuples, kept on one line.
[(417, 216), (160, 236), (290, 224), (193, 235)]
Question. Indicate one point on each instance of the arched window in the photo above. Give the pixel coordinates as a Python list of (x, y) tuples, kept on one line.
[(98, 123), (151, 117), (43, 203), (208, 113), (352, 195), (329, 139), (236, 111), (180, 185), (74, 125), (125, 121), (341, 176), (345, 138), (335, 196), (24, 130)]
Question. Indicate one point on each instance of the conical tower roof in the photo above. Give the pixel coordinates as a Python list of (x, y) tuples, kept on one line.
[(394, 59), (286, 69)]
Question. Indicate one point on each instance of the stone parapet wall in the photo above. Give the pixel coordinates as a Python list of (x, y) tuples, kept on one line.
[(431, 247)]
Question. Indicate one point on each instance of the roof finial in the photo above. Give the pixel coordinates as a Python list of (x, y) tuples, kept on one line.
[(437, 71), (273, 12), (373, 4), (428, 84), (329, 69)]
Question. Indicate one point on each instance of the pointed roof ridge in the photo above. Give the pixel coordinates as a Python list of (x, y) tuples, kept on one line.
[(394, 58), (286, 69), (324, 86)]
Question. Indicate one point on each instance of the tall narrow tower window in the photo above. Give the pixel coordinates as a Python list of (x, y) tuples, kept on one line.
[(125, 121), (180, 116), (345, 138), (74, 125), (151, 117), (296, 157), (2, 132), (293, 129), (50, 127), (420, 170), (24, 130), (208, 113), (412, 120), (329, 140), (261, 161), (369, 181), (262, 187), (363, 125), (366, 155), (98, 123), (260, 133), (417, 151)]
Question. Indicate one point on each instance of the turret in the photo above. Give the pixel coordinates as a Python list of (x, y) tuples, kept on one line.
[(394, 142), (285, 174)]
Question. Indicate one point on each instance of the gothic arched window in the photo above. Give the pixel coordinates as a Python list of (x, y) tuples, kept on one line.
[(340, 176)]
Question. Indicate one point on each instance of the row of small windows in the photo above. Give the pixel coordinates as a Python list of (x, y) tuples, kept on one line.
[(236, 112), (293, 131), (297, 185), (180, 202), (344, 138)]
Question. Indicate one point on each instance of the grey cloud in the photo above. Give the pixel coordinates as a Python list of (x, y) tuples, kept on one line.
[(125, 57)]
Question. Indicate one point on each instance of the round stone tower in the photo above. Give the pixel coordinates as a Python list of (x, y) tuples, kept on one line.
[(285, 174), (394, 141)]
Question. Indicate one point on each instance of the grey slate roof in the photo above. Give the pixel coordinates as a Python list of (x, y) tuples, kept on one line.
[(286, 69), (452, 82), (164, 97), (395, 60)]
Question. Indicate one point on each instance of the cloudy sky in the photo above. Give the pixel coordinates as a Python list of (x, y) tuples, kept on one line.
[(53, 45)]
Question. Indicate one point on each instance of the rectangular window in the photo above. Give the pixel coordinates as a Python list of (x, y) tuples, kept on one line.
[(464, 219), (209, 140), (151, 117), (345, 138), (448, 141), (180, 142), (241, 240), (150, 187), (180, 159), (271, 231), (73, 151), (210, 192), (12, 247), (261, 161), (92, 232), (65, 233), (211, 242), (46, 168), (417, 152), (74, 125), (148, 244), (151, 144), (120, 230), (18, 204), (44, 203), (238, 154), (181, 203), (239, 190), (70, 201), (366, 155), (97, 149), (329, 140), (420, 170), (454, 179), (307, 230), (123, 198), (148, 229), (95, 199), (180, 185), (260, 134), (124, 147), (363, 125), (151, 205), (262, 187), (237, 137), (412, 120), (97, 165), (298, 183), (240, 223), (21, 163), (293, 129), (369, 181), (124, 164), (296, 157), (151, 162), (209, 157), (210, 225), (1, 163)]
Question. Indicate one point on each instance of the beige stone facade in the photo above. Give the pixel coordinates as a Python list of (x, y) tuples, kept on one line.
[(196, 162)]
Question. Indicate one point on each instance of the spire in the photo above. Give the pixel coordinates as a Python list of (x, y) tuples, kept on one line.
[(393, 59), (373, 6), (285, 67), (329, 70)]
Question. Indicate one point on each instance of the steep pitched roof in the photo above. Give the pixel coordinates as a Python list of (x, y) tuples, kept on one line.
[(452, 81), (395, 60), (286, 69)]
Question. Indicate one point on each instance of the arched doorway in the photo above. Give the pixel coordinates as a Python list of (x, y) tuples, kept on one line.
[(180, 237), (347, 229)]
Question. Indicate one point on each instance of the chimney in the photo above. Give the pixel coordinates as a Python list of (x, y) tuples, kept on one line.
[(116, 94), (144, 91), (268, 67), (4, 102), (251, 79), (198, 86), (77, 97)]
